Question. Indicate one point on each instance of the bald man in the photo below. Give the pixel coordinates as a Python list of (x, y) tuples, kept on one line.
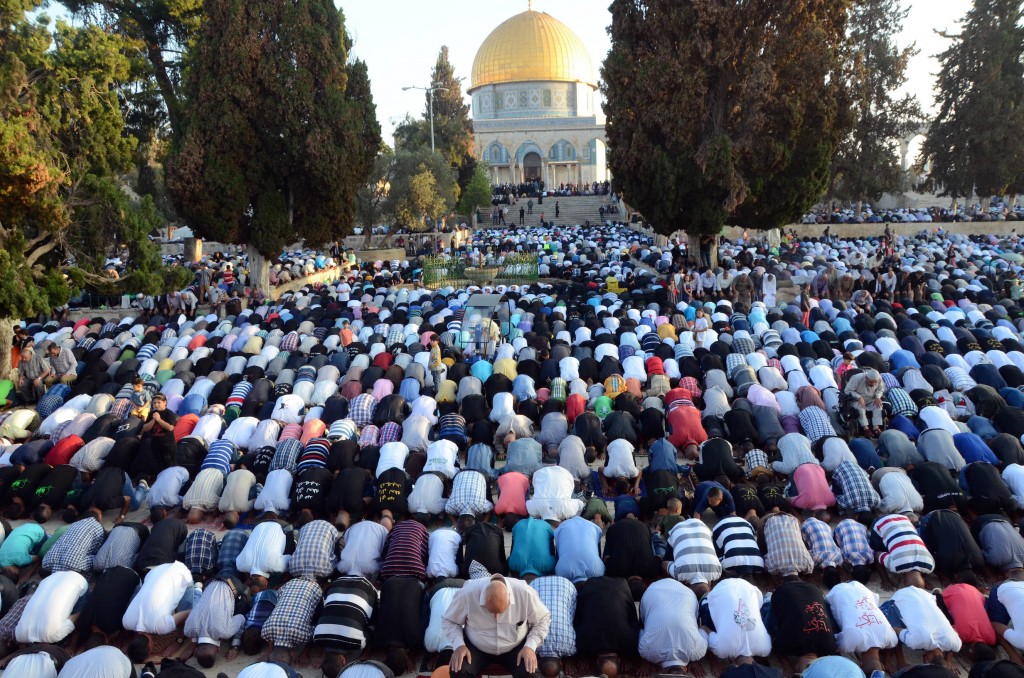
[(495, 621)]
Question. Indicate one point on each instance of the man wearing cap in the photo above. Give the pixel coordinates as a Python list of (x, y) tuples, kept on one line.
[(497, 620), (866, 390)]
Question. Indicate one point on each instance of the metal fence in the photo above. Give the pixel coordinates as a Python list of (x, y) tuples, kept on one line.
[(515, 269)]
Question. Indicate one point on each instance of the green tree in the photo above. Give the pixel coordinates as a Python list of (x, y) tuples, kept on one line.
[(275, 143), (477, 193), (63, 152), (453, 127), (867, 164), (711, 105), (976, 140), (423, 188)]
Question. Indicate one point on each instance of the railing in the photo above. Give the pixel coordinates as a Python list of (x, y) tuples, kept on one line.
[(516, 268), (441, 270)]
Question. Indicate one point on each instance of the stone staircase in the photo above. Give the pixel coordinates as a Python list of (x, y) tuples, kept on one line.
[(572, 210)]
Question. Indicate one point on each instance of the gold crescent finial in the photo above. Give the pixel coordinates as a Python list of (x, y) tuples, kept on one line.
[(529, 5)]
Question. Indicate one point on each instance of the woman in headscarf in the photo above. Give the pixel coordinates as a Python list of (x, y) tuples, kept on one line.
[(769, 286)]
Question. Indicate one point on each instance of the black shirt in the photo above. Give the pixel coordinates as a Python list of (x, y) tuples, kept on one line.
[(398, 617), (588, 428), (628, 552), (950, 541), (716, 461), (163, 440), (106, 491), (484, 543), (311, 489), (606, 618), (392, 492), (348, 491), (109, 600), (936, 485), (54, 487), (801, 621), (621, 425), (162, 546)]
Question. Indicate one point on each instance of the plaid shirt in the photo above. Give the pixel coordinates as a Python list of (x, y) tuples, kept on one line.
[(361, 409), (901, 402), (290, 625), (10, 621), (853, 489), (119, 549), (852, 538), (76, 549), (396, 335), (754, 460), (370, 435), (559, 595), (263, 603), (469, 494), (691, 385), (614, 385), (315, 550), (816, 424), (818, 537), (230, 547), (63, 363), (122, 409), (391, 432), (201, 550), (286, 454), (289, 342), (786, 553)]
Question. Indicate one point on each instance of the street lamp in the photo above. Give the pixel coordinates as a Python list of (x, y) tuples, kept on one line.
[(430, 98)]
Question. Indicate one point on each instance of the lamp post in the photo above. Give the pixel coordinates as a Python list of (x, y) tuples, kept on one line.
[(430, 99)]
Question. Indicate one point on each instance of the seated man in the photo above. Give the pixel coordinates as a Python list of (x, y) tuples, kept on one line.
[(474, 608), (865, 390), (670, 638), (606, 623)]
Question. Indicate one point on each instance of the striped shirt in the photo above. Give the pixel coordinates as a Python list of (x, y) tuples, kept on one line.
[(344, 429), (852, 538), (349, 605), (736, 544), (693, 552), (904, 549), (405, 551), (219, 457), (315, 455)]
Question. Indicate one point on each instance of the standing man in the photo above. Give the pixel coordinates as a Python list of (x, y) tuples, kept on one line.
[(205, 278), (435, 364), (522, 216), (495, 621), (557, 209)]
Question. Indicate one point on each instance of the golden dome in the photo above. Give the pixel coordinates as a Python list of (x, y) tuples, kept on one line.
[(532, 46)]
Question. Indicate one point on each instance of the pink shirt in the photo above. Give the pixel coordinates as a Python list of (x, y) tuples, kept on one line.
[(512, 488), (815, 494), (966, 606)]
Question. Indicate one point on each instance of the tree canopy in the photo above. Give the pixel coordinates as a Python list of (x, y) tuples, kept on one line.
[(976, 140), (867, 163), (453, 127), (279, 134), (723, 111)]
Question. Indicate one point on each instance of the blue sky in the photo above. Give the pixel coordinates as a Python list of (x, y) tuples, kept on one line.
[(399, 40)]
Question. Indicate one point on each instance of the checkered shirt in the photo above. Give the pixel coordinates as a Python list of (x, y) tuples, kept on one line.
[(230, 547), (370, 435), (343, 429), (901, 402), (286, 454), (85, 342), (786, 553), (614, 385), (263, 603), (76, 549), (469, 494), (691, 385), (854, 492), (49, 404), (315, 550), (201, 549), (852, 538), (755, 459), (559, 595), (122, 409), (10, 621), (396, 335), (361, 409), (743, 345), (816, 424), (289, 342), (290, 625), (889, 380), (119, 548), (390, 432), (818, 537)]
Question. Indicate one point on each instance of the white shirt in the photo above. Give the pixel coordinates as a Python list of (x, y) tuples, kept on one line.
[(444, 544), (46, 618), (364, 542), (552, 494), (152, 608), (276, 493), (166, 490), (104, 661), (899, 494), (36, 665), (569, 367), (936, 417), (1011, 594), (735, 607), (415, 436), (426, 495), (620, 460), (927, 628), (208, 428), (863, 625), (670, 636), (264, 554), (236, 491), (441, 458), (434, 639), (392, 455), (241, 431), (1013, 476)]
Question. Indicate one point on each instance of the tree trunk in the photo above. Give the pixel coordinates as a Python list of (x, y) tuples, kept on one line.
[(6, 340), (986, 202), (694, 251), (259, 271), (860, 206)]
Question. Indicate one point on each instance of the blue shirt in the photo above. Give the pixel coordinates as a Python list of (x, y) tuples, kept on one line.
[(700, 498), (833, 667), (533, 548), (578, 542), (662, 457)]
